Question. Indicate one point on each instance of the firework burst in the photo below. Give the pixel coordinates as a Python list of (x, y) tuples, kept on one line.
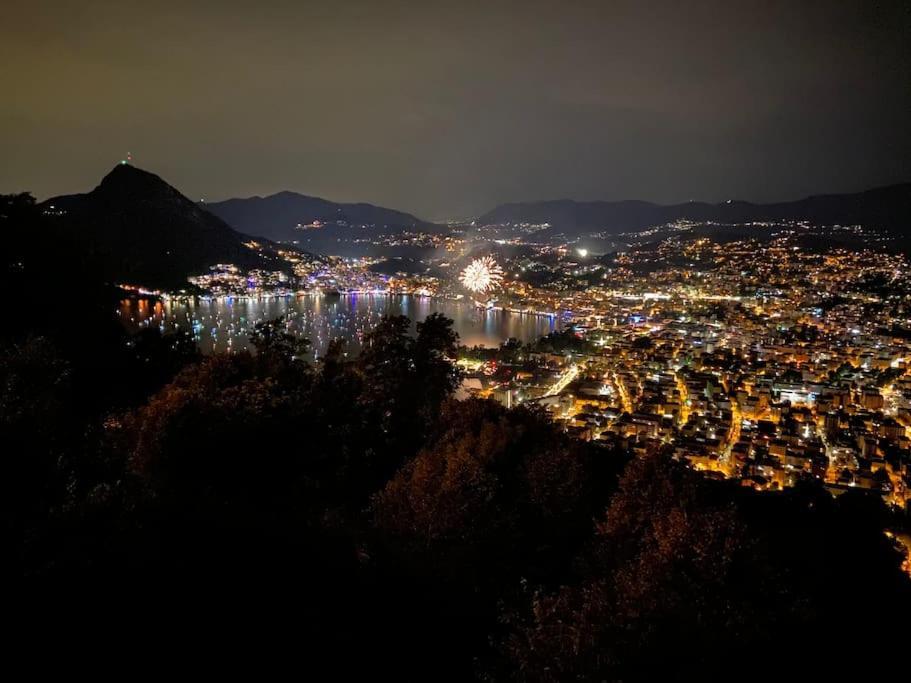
[(481, 275)]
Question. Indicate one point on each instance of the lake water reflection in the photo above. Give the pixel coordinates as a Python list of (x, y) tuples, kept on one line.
[(224, 324)]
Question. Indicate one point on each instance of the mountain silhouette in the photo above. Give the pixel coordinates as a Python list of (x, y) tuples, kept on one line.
[(887, 208), (277, 216), (136, 228)]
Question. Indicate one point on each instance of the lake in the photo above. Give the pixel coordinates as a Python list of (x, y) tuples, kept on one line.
[(224, 324)]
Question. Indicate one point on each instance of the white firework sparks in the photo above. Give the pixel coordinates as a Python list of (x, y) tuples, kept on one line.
[(481, 275)]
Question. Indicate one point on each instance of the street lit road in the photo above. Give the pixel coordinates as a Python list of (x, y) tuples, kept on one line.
[(729, 463), (625, 402), (564, 380)]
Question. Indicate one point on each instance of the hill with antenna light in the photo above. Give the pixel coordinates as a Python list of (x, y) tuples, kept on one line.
[(136, 228)]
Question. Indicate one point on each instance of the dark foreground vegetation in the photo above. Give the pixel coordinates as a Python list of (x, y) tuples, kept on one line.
[(354, 517)]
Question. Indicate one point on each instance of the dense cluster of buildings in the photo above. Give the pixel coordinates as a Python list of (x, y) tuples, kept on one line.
[(763, 361), (306, 274), (225, 279)]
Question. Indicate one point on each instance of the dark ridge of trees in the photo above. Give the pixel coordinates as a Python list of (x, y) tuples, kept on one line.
[(504, 487), (670, 569), (458, 541), (688, 577), (562, 341)]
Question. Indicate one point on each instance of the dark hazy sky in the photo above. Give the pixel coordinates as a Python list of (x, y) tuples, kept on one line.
[(448, 108)]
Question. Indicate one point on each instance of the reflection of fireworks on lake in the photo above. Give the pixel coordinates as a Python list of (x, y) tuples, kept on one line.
[(481, 275)]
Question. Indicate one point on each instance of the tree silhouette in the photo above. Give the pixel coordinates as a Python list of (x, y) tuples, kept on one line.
[(669, 571)]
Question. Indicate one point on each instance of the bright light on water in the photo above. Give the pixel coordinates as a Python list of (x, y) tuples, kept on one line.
[(224, 324)]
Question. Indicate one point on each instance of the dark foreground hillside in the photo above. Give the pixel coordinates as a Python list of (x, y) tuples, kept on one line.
[(358, 512)]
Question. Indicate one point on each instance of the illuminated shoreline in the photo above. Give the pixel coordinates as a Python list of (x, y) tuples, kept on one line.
[(264, 296)]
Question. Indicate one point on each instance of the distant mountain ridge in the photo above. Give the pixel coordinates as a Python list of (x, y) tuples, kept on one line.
[(277, 216), (135, 228), (887, 208)]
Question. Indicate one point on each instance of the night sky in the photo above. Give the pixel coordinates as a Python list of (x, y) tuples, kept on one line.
[(446, 109)]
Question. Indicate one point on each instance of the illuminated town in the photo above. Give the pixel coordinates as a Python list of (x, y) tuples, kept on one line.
[(762, 359), (763, 362)]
